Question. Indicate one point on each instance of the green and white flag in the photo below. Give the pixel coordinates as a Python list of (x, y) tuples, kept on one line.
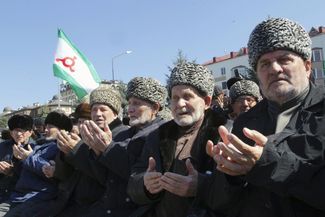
[(72, 66)]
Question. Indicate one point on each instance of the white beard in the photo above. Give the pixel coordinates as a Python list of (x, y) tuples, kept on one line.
[(142, 120), (188, 119)]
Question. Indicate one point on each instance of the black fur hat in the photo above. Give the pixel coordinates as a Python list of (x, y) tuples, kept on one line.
[(24, 122), (59, 120)]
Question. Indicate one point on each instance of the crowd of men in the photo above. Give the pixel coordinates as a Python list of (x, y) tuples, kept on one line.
[(260, 153)]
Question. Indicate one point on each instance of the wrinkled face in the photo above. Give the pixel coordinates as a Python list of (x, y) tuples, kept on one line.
[(102, 114), (141, 112), (51, 131), (187, 105), (243, 104), (283, 75), (20, 136)]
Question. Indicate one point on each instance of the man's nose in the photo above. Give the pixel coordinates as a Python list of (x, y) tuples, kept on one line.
[(276, 67), (98, 112), (180, 103)]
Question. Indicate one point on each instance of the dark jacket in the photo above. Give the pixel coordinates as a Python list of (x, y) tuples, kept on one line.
[(80, 178), (161, 145), (32, 184), (288, 179), (117, 160), (7, 183)]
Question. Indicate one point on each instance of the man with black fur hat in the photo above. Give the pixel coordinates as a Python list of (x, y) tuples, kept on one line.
[(33, 186), (281, 174), (13, 151), (174, 169)]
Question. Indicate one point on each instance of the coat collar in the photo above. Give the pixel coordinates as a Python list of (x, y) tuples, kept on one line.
[(169, 133)]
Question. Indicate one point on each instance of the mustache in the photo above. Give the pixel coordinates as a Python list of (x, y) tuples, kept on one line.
[(275, 78), (182, 110)]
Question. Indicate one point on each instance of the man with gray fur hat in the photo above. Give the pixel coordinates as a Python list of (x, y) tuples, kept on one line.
[(244, 95), (171, 176), (276, 150), (82, 177), (146, 97)]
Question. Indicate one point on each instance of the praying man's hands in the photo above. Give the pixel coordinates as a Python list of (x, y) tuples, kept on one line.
[(185, 186), (20, 153), (66, 142), (96, 138), (152, 178), (233, 156)]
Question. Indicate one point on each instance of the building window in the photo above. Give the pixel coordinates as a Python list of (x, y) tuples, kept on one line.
[(240, 71), (223, 71), (224, 85), (317, 55)]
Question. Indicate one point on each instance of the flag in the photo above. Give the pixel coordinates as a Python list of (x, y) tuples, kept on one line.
[(72, 66)]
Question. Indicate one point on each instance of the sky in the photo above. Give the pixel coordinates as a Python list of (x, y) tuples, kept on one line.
[(154, 30)]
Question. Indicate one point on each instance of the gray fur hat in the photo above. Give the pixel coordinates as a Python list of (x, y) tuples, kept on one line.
[(244, 88), (278, 34), (147, 89), (194, 75), (107, 95), (217, 91)]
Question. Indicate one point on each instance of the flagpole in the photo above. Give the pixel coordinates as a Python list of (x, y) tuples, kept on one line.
[(59, 95)]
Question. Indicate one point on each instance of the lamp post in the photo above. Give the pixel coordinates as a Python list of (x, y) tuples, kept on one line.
[(114, 57)]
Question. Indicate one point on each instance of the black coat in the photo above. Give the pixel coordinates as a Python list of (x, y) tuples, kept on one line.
[(117, 160), (161, 145), (82, 179), (288, 180)]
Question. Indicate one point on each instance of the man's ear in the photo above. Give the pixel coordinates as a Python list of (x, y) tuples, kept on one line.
[(207, 100), (156, 108), (308, 68)]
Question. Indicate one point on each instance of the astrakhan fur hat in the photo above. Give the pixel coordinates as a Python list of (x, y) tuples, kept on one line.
[(147, 89), (107, 95), (278, 34), (194, 75)]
